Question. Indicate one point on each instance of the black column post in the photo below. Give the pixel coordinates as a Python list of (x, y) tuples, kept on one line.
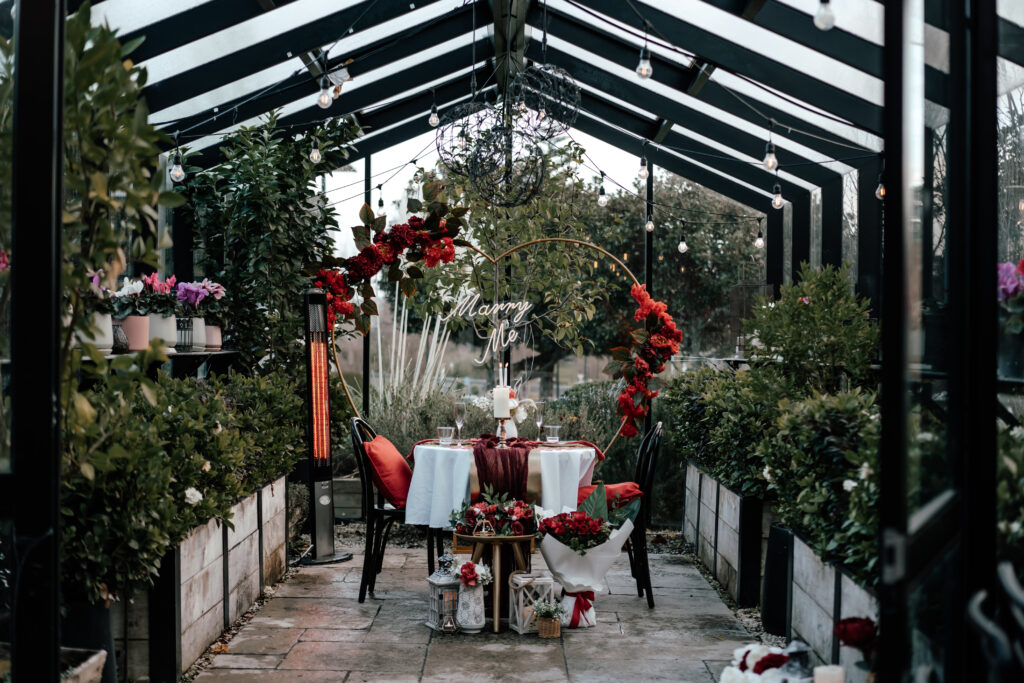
[(801, 245), (367, 191), (869, 234), (773, 249), (649, 256), (35, 335), (832, 223)]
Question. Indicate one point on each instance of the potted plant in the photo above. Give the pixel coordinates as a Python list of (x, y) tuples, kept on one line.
[(162, 300), (548, 614), (1011, 319), (99, 306), (470, 612), (190, 295), (132, 309), (213, 312)]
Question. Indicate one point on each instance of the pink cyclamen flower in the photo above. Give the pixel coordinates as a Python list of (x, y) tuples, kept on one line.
[(1010, 281), (4, 263), (214, 289), (805, 300)]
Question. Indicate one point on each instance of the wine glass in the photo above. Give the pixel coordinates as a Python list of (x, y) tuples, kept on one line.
[(539, 417), (460, 418)]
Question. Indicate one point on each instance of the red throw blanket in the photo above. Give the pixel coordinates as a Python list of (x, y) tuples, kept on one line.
[(505, 470)]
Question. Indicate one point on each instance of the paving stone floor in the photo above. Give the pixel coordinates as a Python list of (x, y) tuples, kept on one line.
[(314, 631)]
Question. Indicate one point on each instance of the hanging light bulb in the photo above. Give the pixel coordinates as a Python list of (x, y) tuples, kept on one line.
[(433, 119), (177, 172), (880, 191), (777, 199), (771, 162), (825, 18), (541, 114), (643, 173), (1020, 205), (462, 141), (314, 154), (602, 198), (324, 99), (650, 225), (644, 68), (759, 240), (683, 246)]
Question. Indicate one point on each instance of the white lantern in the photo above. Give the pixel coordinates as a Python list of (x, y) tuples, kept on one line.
[(444, 598), (524, 590)]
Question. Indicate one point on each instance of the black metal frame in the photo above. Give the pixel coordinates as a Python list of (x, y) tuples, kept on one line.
[(34, 486)]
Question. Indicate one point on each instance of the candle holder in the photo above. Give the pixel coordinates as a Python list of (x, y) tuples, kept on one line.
[(501, 433)]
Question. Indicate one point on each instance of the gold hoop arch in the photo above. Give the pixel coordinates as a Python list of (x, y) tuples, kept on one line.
[(494, 260)]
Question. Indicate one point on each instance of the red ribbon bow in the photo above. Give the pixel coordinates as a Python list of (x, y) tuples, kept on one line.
[(584, 601)]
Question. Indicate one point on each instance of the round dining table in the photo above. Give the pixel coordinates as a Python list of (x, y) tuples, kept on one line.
[(441, 479)]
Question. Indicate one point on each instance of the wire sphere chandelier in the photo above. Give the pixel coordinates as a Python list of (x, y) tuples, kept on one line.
[(546, 101)]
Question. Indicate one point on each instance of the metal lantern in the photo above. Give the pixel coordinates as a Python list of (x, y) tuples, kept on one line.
[(483, 528), (547, 101), (444, 599), (524, 591)]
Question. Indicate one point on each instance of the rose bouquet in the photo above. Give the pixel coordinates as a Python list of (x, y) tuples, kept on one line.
[(579, 549), (505, 516), (471, 574), (755, 662), (861, 634)]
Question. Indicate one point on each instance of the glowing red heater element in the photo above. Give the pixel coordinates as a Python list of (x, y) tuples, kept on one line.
[(321, 422)]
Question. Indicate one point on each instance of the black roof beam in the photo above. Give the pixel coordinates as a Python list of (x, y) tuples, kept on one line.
[(628, 90), (267, 53), (748, 62), (613, 48)]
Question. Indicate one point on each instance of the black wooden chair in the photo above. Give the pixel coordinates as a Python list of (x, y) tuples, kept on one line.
[(636, 546), (1013, 610), (998, 658), (380, 515)]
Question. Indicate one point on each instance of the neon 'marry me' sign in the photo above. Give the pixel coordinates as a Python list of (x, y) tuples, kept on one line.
[(505, 317)]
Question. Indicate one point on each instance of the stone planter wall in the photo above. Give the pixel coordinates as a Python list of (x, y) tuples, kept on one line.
[(220, 574), (729, 533)]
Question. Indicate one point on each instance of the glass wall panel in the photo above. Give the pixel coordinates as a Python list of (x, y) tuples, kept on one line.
[(850, 223)]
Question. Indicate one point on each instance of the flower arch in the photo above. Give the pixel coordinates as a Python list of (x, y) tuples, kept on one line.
[(432, 241)]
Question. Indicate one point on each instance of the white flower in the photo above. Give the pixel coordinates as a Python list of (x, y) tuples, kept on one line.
[(192, 496), (767, 474), (206, 466), (218, 429), (1015, 528), (129, 288), (520, 414), (1017, 432), (926, 437), (849, 485), (865, 471)]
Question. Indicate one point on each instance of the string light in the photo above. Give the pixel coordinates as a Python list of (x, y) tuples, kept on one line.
[(644, 68), (759, 240), (644, 172), (880, 190), (314, 153), (825, 18), (777, 199), (683, 246), (771, 162), (324, 99), (433, 119), (1020, 205), (177, 172), (602, 198), (650, 225), (380, 200)]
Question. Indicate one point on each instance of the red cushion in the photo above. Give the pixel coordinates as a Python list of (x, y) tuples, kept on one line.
[(389, 470), (616, 494)]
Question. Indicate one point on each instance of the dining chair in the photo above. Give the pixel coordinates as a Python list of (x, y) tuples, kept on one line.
[(1013, 610), (998, 660), (379, 512), (642, 486)]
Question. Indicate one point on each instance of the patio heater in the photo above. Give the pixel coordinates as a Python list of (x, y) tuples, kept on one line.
[(318, 431)]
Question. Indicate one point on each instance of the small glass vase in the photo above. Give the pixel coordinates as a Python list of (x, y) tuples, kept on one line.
[(470, 612)]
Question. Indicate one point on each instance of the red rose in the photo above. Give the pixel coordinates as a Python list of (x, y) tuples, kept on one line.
[(859, 633), (468, 574), (628, 430), (769, 662), (517, 529)]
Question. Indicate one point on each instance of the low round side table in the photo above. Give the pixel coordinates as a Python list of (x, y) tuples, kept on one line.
[(479, 542)]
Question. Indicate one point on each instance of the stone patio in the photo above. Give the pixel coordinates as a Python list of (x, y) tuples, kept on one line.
[(314, 631)]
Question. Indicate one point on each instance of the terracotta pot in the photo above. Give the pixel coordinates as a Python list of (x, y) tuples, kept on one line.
[(136, 328), (164, 328), (213, 338), (198, 334)]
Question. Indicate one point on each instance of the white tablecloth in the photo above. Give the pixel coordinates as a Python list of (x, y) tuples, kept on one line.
[(440, 480)]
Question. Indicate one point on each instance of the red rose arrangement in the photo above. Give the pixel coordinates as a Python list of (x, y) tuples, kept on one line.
[(653, 346), (578, 530), (471, 574), (858, 633), (507, 518)]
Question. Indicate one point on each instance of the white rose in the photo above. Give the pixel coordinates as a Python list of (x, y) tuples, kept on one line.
[(849, 485), (192, 496)]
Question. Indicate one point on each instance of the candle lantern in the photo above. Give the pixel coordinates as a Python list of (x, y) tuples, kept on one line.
[(444, 599), (524, 591), (318, 430)]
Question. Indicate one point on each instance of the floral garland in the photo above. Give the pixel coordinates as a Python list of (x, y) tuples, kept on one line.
[(653, 346), (411, 239)]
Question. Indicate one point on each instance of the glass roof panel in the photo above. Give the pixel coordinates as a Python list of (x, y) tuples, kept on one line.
[(131, 15), (735, 29), (1012, 10), (863, 18), (260, 81)]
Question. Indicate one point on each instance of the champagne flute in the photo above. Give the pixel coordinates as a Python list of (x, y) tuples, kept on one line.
[(460, 418), (539, 417)]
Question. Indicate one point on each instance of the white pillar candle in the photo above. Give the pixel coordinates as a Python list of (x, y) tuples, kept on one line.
[(501, 405), (829, 674)]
